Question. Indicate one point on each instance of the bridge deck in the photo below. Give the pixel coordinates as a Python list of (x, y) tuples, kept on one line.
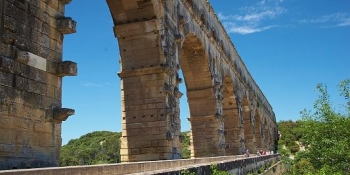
[(149, 167)]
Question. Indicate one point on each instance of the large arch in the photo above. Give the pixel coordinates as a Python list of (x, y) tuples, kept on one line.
[(266, 136), (258, 130), (194, 63), (232, 120), (249, 137)]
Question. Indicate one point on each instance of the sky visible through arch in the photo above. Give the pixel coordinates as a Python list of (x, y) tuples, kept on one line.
[(288, 47)]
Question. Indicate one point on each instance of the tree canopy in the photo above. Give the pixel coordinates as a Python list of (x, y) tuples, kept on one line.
[(93, 148), (325, 132), (102, 147)]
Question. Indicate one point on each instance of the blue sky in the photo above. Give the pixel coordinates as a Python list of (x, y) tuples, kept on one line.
[(287, 45)]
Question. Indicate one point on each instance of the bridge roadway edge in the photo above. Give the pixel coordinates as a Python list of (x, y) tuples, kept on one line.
[(238, 164)]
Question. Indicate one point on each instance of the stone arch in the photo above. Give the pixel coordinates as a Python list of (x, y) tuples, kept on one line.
[(266, 133), (131, 11), (248, 127), (150, 105), (258, 130), (270, 137), (194, 63), (231, 113)]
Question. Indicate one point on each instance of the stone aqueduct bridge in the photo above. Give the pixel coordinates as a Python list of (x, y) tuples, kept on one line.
[(157, 38)]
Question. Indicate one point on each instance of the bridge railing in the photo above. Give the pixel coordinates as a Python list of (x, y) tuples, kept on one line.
[(152, 167)]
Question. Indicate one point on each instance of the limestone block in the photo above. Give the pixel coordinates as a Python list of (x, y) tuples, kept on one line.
[(53, 12), (149, 150), (36, 87), (156, 124), (46, 140), (131, 29), (66, 25), (135, 151), (124, 151), (7, 50), (11, 66), (66, 68), (51, 103), (51, 67), (42, 127), (61, 7), (58, 93), (65, 1), (62, 114), (32, 99), (6, 79), (54, 80), (53, 3)]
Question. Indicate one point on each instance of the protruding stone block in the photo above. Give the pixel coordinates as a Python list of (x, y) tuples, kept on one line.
[(22, 57), (62, 114), (66, 25), (177, 93), (65, 1), (67, 68)]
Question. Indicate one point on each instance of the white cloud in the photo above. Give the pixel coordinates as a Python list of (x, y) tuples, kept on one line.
[(250, 19), (243, 30), (91, 85), (332, 20)]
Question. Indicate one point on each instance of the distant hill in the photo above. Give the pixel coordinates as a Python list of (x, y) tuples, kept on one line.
[(102, 147), (93, 148)]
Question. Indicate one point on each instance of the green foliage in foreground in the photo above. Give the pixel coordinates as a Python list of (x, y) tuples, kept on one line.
[(98, 147), (213, 168), (326, 132), (215, 171)]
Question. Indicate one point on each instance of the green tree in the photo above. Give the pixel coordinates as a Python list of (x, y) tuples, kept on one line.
[(291, 135), (93, 148), (326, 132), (101, 147), (185, 142)]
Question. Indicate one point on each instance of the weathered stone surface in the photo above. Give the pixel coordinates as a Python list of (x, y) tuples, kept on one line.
[(66, 68), (223, 97), (228, 111), (66, 25), (30, 52), (62, 114), (65, 1)]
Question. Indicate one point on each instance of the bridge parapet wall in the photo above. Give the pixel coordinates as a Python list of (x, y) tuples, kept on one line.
[(238, 164)]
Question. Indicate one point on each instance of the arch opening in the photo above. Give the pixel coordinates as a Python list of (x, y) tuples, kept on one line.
[(230, 110), (248, 127), (258, 131), (201, 98)]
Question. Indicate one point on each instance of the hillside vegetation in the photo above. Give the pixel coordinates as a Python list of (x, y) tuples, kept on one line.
[(93, 148), (290, 141), (102, 147), (324, 132)]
